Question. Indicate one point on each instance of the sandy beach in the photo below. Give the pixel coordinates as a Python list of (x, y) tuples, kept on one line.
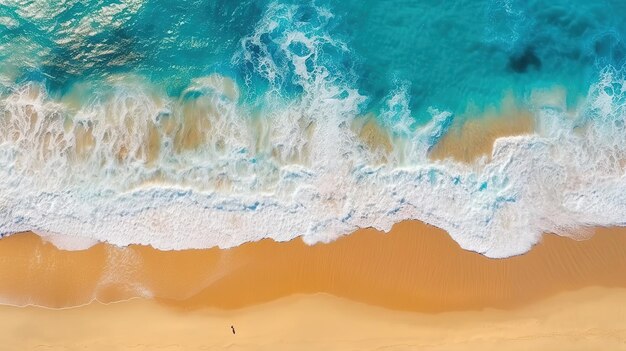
[(587, 319), (415, 267), (412, 286), (209, 175)]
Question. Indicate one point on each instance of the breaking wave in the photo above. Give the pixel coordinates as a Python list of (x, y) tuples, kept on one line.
[(119, 159)]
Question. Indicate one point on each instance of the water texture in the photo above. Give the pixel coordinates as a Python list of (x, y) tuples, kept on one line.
[(191, 124)]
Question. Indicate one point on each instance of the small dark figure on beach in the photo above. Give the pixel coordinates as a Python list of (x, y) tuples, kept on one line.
[(233, 329)]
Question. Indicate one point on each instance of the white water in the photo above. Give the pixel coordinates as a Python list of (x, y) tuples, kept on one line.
[(127, 164)]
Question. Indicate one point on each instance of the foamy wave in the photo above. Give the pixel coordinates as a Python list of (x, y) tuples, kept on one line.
[(131, 164)]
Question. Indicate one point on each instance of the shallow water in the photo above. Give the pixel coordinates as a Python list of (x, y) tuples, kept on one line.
[(200, 123)]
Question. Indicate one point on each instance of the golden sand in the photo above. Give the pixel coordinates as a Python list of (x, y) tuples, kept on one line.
[(365, 291), (588, 319), (415, 267)]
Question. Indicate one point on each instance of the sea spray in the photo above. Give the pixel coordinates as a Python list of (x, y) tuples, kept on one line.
[(277, 150)]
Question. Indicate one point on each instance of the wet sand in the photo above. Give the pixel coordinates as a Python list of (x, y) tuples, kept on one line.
[(413, 287), (474, 137), (415, 267)]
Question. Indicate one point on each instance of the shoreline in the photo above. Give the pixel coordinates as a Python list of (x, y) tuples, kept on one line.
[(415, 267), (412, 288)]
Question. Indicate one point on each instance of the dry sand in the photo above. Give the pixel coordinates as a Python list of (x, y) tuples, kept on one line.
[(589, 319), (413, 288)]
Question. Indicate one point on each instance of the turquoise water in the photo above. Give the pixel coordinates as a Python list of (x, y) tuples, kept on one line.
[(473, 51), (447, 55), (254, 112)]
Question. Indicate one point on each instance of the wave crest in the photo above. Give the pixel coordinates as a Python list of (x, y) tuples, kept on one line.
[(131, 164)]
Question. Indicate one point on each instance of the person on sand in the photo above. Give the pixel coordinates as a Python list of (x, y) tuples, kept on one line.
[(233, 329)]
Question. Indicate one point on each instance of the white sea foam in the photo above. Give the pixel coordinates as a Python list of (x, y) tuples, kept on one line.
[(131, 165), (67, 242)]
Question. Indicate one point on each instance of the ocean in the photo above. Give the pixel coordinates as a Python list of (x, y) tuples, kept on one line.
[(193, 124)]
